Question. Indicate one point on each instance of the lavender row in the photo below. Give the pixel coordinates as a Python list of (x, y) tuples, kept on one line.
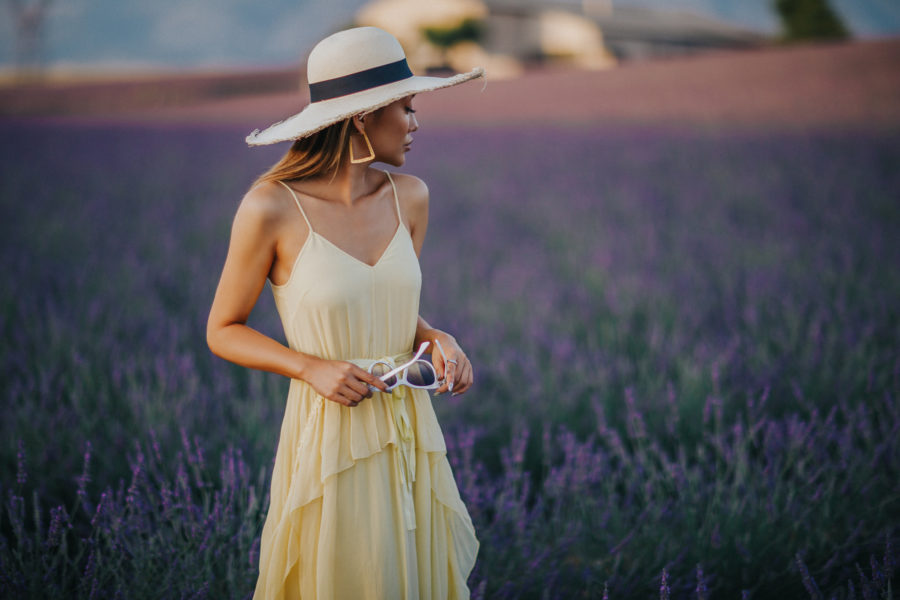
[(608, 512), (191, 536), (686, 350)]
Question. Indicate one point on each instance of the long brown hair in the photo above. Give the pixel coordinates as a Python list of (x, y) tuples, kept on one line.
[(319, 154)]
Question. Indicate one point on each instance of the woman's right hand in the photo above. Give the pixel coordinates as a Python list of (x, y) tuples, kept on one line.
[(341, 381)]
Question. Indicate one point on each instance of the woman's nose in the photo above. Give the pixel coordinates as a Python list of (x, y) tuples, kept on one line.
[(413, 122)]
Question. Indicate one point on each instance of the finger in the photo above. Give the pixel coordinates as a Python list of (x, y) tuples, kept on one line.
[(442, 379), (463, 379), (353, 389), (359, 387), (340, 398), (450, 374), (442, 388), (369, 379), (440, 365)]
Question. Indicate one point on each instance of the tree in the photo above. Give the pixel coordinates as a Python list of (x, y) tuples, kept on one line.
[(810, 20), (29, 19), (444, 38)]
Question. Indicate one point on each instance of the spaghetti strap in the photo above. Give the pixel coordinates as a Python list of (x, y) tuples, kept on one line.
[(396, 198), (297, 201)]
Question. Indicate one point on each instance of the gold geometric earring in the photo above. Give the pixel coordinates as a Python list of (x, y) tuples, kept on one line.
[(371, 155)]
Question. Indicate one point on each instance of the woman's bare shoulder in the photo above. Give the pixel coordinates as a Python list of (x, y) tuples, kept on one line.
[(266, 203), (412, 191), (413, 195)]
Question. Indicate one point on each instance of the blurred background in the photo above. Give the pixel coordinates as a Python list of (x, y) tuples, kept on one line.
[(665, 231), (114, 36), (104, 57)]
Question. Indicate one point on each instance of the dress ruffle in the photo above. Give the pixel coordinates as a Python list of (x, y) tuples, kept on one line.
[(320, 444)]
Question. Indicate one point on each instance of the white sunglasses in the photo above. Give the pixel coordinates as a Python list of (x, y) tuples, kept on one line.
[(416, 372)]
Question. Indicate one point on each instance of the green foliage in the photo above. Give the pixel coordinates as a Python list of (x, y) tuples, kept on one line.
[(468, 30), (810, 20)]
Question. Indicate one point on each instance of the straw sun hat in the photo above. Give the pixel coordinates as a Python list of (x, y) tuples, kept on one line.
[(353, 72)]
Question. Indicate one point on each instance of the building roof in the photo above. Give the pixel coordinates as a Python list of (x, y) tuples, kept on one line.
[(640, 23)]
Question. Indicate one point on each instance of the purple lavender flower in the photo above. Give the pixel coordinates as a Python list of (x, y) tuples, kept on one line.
[(808, 582), (21, 474), (59, 522), (701, 589), (664, 585)]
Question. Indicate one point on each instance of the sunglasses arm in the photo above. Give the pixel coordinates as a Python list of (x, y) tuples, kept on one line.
[(396, 370)]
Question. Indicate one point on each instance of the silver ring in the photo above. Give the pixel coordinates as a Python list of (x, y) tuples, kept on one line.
[(453, 361)]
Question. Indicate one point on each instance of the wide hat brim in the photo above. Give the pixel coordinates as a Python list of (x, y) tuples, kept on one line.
[(319, 115)]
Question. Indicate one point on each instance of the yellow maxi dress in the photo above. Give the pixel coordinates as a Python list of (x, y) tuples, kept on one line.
[(363, 502)]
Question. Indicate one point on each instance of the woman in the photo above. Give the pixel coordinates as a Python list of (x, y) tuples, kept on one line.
[(363, 502)]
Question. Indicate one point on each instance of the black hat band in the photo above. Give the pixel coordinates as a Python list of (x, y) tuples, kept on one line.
[(357, 82)]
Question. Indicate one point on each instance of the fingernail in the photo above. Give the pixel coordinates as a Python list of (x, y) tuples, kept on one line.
[(450, 388), (454, 394)]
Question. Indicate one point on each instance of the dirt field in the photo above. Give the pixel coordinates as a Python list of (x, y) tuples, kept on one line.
[(841, 85)]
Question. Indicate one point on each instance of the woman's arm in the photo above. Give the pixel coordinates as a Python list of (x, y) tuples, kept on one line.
[(251, 252), (458, 373), (457, 370)]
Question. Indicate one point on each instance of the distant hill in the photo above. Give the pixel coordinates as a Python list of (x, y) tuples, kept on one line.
[(148, 93), (850, 85)]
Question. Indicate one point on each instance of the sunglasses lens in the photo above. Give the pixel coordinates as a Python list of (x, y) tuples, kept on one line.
[(380, 369), (420, 374)]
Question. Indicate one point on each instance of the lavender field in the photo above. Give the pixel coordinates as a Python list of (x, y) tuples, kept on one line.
[(687, 350)]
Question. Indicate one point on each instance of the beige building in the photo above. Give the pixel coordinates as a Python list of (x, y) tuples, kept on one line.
[(591, 34), (509, 36)]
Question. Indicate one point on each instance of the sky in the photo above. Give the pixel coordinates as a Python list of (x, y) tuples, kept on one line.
[(204, 34)]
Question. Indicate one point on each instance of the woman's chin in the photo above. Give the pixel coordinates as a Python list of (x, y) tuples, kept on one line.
[(394, 161)]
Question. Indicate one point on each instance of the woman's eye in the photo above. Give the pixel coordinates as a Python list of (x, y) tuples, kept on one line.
[(410, 109)]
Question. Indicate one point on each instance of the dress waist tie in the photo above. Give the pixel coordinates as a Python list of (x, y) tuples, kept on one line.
[(406, 458)]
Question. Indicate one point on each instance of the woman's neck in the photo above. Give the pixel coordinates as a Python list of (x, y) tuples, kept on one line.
[(349, 184)]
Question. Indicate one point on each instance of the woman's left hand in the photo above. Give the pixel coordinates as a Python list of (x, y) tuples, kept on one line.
[(453, 367)]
